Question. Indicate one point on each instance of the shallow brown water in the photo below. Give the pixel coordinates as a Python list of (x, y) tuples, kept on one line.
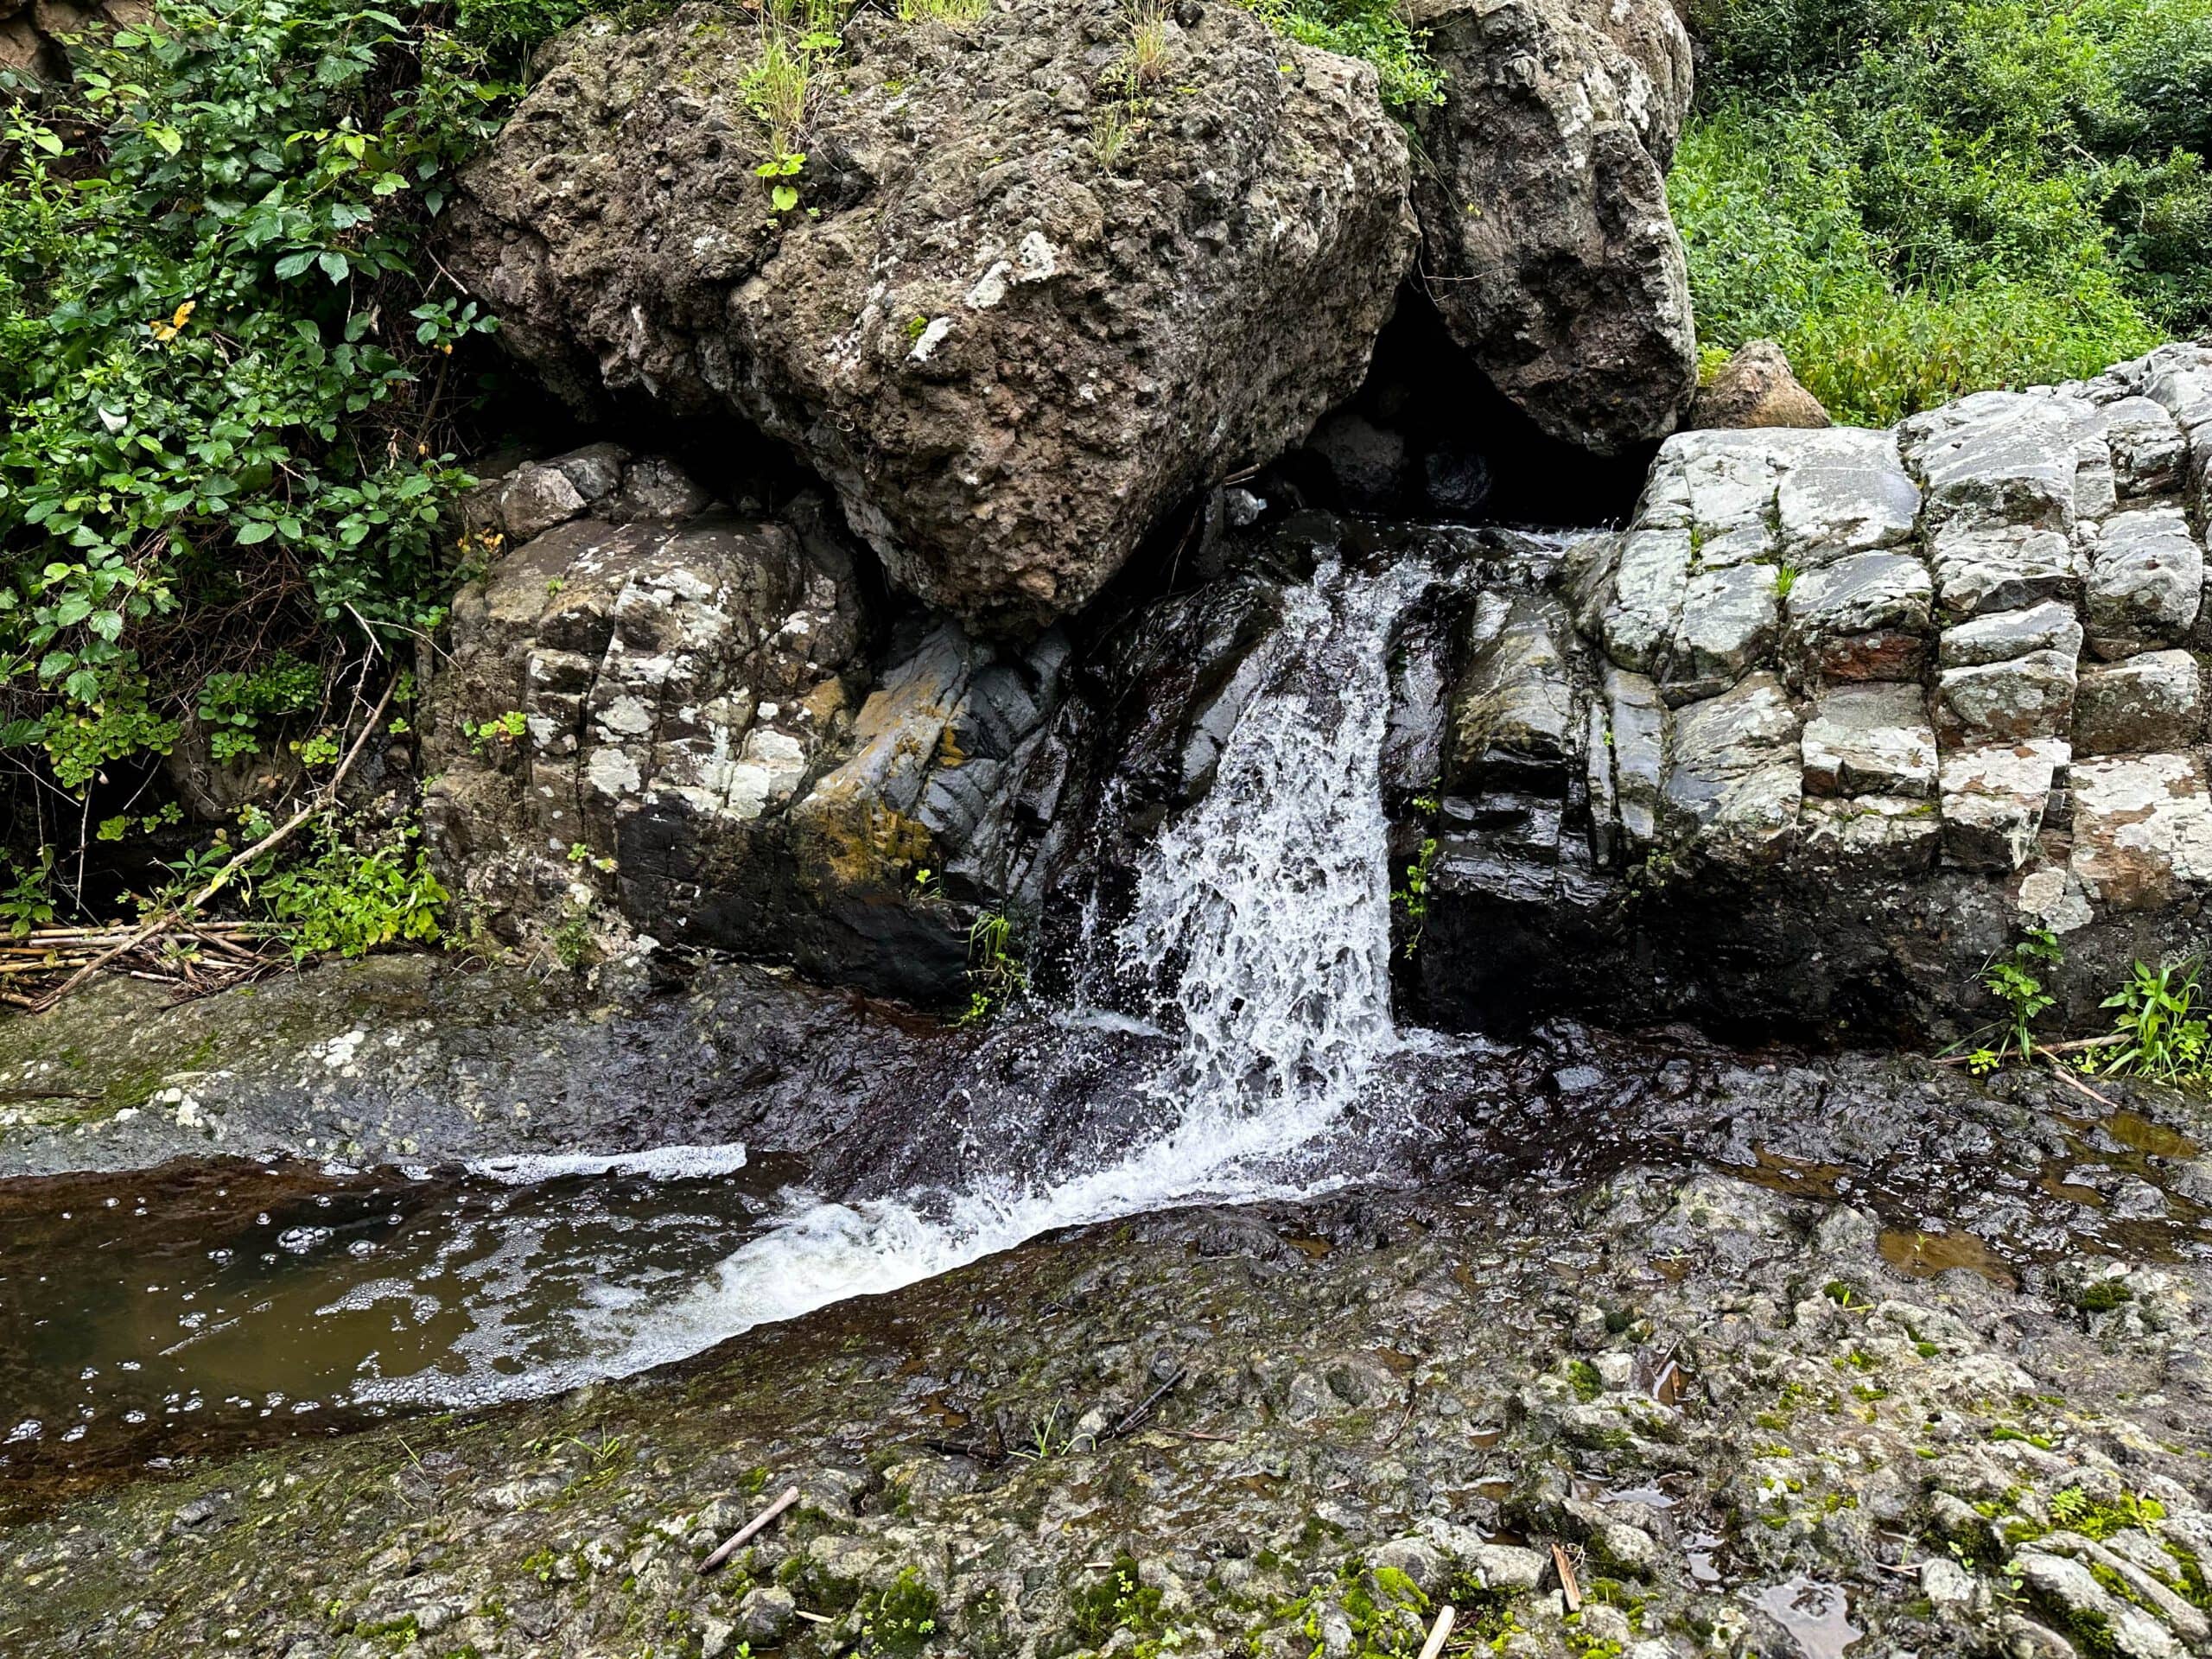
[(187, 1309)]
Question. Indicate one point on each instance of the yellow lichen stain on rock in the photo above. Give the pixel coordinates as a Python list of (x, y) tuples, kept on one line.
[(854, 843)]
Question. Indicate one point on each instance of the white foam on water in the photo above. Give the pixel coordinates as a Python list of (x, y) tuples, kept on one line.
[(1272, 895), (659, 1164)]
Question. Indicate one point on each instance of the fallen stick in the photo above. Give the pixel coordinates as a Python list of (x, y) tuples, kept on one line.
[(1440, 1633), (2069, 1079), (323, 798), (1150, 1401), (1568, 1589), (736, 1541)]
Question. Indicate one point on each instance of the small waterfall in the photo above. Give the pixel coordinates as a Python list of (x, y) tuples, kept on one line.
[(1269, 902), (1259, 938)]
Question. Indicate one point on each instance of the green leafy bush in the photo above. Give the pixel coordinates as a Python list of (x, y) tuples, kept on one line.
[(1920, 198), (349, 900), (1374, 30), (228, 401)]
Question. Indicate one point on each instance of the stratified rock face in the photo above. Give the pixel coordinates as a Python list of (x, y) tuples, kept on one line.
[(1860, 706), (1011, 339), (1545, 231), (672, 712)]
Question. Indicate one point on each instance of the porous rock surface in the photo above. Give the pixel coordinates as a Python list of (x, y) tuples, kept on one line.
[(1546, 240), (1010, 346), (1753, 1411), (1755, 387)]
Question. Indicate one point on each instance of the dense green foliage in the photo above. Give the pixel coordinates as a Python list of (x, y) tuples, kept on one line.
[(1375, 30), (225, 376), (1919, 198)]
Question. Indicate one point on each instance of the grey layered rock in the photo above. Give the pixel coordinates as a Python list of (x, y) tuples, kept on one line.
[(1638, 730), (2155, 701), (1845, 492), (1543, 207), (2070, 1588), (2150, 452), (1862, 592), (2000, 636), (1871, 835), (1728, 623), (1733, 777), (1871, 740), (535, 498), (1865, 617), (1984, 567), (1644, 598), (692, 669), (1991, 702), (1514, 720), (1720, 486), (1995, 457), (707, 753), (946, 334), (2145, 583), (2142, 828), (1994, 800)]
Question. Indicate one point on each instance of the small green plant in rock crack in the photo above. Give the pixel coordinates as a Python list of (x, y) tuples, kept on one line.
[(1047, 1439), (1119, 1600), (1413, 897), (996, 973), (901, 1618), (2010, 977), (781, 196), (1111, 129), (2155, 1014), (506, 730)]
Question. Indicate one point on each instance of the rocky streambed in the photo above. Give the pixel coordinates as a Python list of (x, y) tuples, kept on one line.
[(1782, 1355)]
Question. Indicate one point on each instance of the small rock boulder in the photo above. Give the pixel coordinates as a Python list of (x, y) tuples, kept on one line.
[(1755, 388)]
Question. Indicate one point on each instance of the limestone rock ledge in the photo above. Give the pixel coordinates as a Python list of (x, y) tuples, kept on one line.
[(690, 716), (1905, 692)]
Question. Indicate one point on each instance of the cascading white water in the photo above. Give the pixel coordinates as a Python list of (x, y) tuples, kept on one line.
[(1261, 924), (1261, 934)]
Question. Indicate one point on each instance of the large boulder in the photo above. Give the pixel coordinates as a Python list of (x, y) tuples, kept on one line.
[(1040, 281), (1545, 231)]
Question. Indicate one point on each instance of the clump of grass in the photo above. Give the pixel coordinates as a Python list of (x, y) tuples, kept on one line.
[(1145, 64), (1111, 129), (953, 13), (797, 37)]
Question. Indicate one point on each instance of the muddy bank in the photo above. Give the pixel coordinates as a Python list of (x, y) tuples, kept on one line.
[(1937, 1380)]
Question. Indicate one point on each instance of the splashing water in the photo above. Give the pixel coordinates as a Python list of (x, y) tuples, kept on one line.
[(1253, 967), (1262, 927)]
